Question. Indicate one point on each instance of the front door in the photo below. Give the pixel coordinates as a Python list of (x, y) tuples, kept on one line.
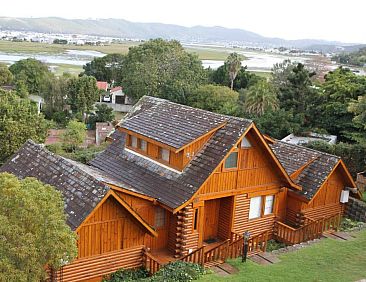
[(211, 222)]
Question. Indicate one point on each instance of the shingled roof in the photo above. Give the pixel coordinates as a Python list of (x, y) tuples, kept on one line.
[(317, 165), (81, 191), (170, 123), (144, 176)]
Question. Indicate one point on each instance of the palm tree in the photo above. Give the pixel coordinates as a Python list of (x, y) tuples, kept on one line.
[(260, 98), (233, 63)]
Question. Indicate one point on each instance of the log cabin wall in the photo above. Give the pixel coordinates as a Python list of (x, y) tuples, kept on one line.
[(242, 222), (324, 204), (188, 238), (225, 218), (110, 228)]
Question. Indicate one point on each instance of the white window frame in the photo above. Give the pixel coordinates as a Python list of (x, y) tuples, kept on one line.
[(268, 204), (164, 154), (245, 143), (134, 141), (255, 209)]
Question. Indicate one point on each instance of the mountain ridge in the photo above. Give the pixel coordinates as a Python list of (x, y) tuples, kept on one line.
[(137, 30)]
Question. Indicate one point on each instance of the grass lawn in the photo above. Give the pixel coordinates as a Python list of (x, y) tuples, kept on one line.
[(328, 260)]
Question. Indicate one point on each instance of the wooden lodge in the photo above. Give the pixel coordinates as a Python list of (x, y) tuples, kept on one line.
[(183, 183)]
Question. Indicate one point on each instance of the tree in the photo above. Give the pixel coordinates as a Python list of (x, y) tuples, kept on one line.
[(233, 63), (6, 76), (278, 124), (82, 94), (74, 135), (260, 98), (33, 229), (219, 99), (340, 89), (103, 113), (243, 79), (33, 73), (107, 68), (162, 69), (19, 122), (55, 95), (358, 108)]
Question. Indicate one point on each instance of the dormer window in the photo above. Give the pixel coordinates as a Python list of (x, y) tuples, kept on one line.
[(245, 144), (143, 145), (134, 141), (164, 154)]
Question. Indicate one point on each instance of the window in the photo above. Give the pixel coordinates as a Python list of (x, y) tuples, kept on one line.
[(164, 154), (255, 207), (195, 219), (232, 160), (268, 205), (245, 143), (159, 217), (133, 141), (143, 145)]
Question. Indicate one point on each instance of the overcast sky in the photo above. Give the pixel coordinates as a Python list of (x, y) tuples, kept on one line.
[(342, 20)]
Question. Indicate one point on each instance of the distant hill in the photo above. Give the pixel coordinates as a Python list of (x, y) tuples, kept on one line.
[(126, 29)]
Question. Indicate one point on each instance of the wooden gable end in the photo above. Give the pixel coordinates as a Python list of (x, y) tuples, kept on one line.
[(110, 228), (255, 170)]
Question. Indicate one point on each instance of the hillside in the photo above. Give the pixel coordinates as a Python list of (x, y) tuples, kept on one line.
[(357, 58), (126, 29)]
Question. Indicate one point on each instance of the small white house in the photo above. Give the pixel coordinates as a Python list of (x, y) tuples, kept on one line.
[(38, 100)]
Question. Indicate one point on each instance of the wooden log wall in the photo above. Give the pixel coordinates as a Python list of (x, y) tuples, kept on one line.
[(225, 217), (242, 222), (187, 238), (95, 267)]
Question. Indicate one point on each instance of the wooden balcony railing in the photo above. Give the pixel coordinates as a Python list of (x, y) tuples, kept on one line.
[(256, 244), (197, 256), (217, 254), (311, 230), (149, 262)]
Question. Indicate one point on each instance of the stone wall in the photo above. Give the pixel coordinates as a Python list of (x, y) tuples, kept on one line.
[(356, 210)]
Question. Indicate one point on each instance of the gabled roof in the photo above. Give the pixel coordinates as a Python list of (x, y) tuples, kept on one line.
[(172, 124), (114, 89), (171, 188), (315, 166), (82, 186)]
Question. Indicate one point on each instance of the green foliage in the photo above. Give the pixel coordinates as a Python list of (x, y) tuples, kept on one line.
[(74, 135), (260, 98), (354, 155), (82, 155), (19, 122), (233, 65), (33, 73), (340, 89), (103, 113), (82, 94), (6, 76), (162, 69), (127, 275), (278, 124), (358, 108), (274, 245), (243, 79), (357, 58), (33, 229), (219, 99), (107, 68), (178, 271), (348, 224)]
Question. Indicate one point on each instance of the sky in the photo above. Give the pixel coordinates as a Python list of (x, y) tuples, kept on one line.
[(340, 20)]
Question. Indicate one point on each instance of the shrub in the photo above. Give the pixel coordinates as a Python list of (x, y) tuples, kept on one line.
[(178, 271), (348, 224), (274, 245), (127, 275)]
